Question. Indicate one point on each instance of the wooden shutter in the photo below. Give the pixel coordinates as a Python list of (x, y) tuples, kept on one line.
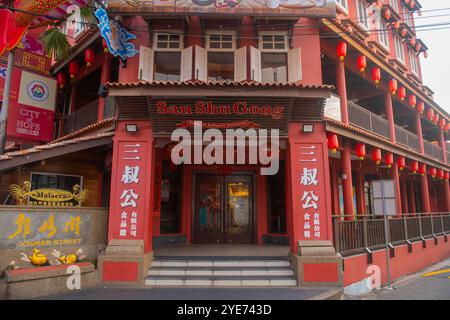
[(255, 64), (294, 65), (201, 64), (240, 64), (146, 60), (186, 64)]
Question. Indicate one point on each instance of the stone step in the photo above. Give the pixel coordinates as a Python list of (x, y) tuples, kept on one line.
[(220, 272), (230, 282), (219, 263)]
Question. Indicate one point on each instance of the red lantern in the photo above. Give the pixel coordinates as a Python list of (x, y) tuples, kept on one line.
[(401, 163), (440, 174), (403, 32), (412, 101), (414, 167), (401, 93), (412, 41), (418, 47), (333, 142), (442, 123), (423, 169), (360, 149), (387, 14), (433, 172), (376, 155), (73, 69), (89, 57), (430, 114), (412, 4), (61, 80), (446, 176), (447, 127), (362, 63), (376, 75), (420, 107), (342, 50), (436, 118), (389, 159), (393, 86), (105, 46), (396, 25)]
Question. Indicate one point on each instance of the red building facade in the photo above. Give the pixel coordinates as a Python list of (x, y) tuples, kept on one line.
[(359, 135)]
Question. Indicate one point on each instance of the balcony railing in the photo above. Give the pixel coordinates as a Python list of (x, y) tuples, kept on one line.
[(88, 114), (363, 231), (367, 120), (432, 150), (407, 138)]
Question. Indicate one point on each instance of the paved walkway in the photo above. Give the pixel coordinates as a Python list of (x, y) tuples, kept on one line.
[(191, 294), (430, 284)]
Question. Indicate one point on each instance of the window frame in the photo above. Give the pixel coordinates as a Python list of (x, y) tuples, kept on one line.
[(343, 5), (273, 33), (172, 33), (208, 33), (363, 23), (399, 47), (413, 62), (383, 34)]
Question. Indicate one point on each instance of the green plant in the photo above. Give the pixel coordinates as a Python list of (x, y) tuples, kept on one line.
[(55, 43)]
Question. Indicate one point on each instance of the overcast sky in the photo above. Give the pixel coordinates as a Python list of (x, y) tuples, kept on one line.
[(436, 69)]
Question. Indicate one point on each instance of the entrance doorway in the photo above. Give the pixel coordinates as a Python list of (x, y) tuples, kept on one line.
[(223, 209)]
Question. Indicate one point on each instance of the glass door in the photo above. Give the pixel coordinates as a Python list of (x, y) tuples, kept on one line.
[(223, 209)]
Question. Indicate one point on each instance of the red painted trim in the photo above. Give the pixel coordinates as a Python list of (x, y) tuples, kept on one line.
[(120, 271), (321, 272)]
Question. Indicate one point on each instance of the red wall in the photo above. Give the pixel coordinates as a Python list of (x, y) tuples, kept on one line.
[(403, 263)]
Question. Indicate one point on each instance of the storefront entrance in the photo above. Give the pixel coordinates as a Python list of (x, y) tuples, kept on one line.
[(223, 209)]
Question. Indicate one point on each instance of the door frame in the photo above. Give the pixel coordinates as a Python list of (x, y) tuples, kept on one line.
[(254, 216)]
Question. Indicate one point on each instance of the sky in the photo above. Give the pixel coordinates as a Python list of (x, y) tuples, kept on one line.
[(436, 69)]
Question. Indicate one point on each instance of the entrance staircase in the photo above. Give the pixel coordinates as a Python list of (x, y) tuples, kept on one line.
[(195, 271)]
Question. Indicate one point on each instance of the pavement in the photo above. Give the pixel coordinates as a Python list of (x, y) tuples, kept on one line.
[(109, 293), (430, 284)]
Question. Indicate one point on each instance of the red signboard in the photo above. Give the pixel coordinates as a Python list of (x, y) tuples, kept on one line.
[(30, 123)]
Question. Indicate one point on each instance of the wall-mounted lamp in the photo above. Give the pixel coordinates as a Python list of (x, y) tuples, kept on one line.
[(308, 128), (131, 128)]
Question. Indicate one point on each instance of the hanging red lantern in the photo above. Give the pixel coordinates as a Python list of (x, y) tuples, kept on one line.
[(376, 75), (418, 47), (403, 32), (401, 163), (420, 107), (333, 142), (342, 50), (401, 93), (423, 169), (414, 167), (387, 14), (73, 69), (393, 86), (442, 123), (446, 176), (362, 63), (396, 25), (89, 57), (360, 150), (430, 114), (440, 174), (412, 4), (389, 159), (105, 46), (61, 80), (447, 127), (412, 42), (436, 118), (376, 155), (412, 101), (433, 172)]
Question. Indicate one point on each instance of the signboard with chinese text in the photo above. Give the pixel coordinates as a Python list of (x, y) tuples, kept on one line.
[(316, 8), (28, 229), (309, 191)]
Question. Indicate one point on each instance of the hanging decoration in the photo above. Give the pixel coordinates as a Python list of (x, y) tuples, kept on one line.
[(361, 61), (423, 169), (333, 142), (412, 100), (446, 176), (389, 159), (360, 149), (430, 114), (414, 167), (61, 80), (376, 75), (401, 93), (376, 155), (73, 69), (440, 174), (89, 57), (420, 107), (393, 86), (401, 163), (342, 50), (433, 172), (442, 123), (436, 118)]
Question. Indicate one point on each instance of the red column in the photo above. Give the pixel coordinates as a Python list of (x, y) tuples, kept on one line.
[(342, 90), (360, 195), (389, 110), (404, 197), (104, 78), (426, 208), (447, 195), (309, 196), (347, 186), (398, 193), (443, 145), (334, 176), (412, 202), (419, 132), (129, 247)]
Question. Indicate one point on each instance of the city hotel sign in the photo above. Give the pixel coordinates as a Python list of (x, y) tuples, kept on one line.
[(239, 108), (315, 8)]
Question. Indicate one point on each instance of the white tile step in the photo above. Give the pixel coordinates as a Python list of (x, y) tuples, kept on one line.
[(222, 282)]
